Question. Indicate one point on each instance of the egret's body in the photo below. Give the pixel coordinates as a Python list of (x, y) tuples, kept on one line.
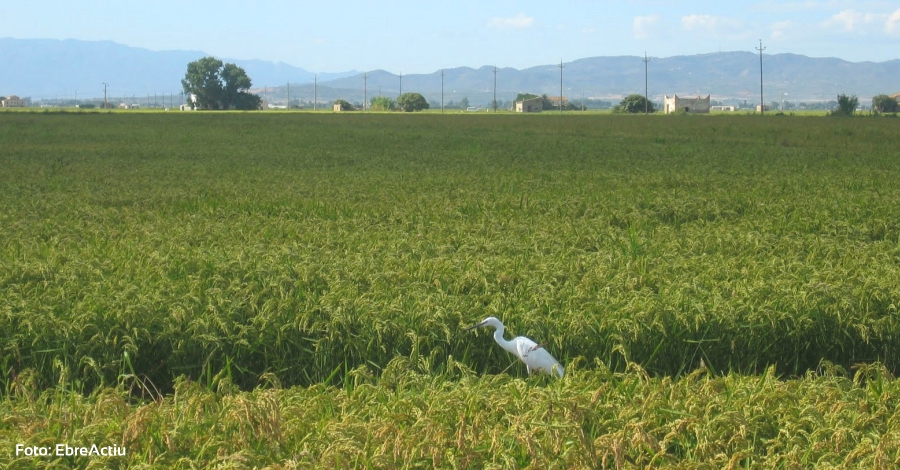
[(535, 357)]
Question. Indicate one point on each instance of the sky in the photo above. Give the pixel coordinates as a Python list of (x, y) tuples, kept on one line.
[(423, 36)]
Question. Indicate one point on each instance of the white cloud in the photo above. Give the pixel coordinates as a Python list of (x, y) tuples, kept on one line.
[(643, 25), (715, 26), (853, 21), (516, 22), (780, 29), (892, 26)]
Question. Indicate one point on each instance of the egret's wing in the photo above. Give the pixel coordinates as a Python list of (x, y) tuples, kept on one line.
[(540, 359), (524, 347)]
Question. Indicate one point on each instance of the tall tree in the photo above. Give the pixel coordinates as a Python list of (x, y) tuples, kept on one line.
[(634, 104), (412, 102), (846, 105), (885, 104), (219, 86)]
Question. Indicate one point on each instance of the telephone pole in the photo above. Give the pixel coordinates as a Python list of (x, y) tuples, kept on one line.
[(289, 96), (495, 89), (105, 102), (560, 86), (762, 104), (315, 91), (442, 91), (646, 99), (401, 83), (365, 90)]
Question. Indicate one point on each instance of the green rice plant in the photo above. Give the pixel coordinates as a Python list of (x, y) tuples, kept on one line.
[(307, 246)]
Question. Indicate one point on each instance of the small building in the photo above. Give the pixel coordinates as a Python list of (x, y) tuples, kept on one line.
[(721, 108), (675, 103), (761, 108), (12, 101), (531, 105), (556, 101), (337, 108)]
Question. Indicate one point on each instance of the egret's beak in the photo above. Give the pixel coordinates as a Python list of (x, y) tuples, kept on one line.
[(474, 326)]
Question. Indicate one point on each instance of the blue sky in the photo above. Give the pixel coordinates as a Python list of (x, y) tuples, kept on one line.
[(407, 37)]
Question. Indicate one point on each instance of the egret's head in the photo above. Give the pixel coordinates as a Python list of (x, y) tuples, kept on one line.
[(489, 321)]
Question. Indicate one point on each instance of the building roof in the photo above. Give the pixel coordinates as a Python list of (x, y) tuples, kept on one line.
[(699, 97)]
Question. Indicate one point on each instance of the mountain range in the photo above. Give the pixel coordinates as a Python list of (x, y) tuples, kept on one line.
[(46, 69)]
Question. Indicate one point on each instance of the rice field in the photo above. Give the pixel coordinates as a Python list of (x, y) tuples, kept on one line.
[(287, 290)]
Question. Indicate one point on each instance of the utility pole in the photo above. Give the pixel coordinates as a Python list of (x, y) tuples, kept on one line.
[(560, 86), (762, 105), (105, 102), (401, 83), (495, 88), (289, 96), (442, 91), (646, 100), (365, 90), (315, 91)]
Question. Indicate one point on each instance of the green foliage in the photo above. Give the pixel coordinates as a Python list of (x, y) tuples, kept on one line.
[(219, 86), (410, 102), (885, 104), (382, 103), (634, 103), (546, 103), (846, 105), (344, 104)]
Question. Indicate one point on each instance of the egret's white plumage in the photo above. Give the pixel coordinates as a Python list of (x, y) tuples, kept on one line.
[(535, 357)]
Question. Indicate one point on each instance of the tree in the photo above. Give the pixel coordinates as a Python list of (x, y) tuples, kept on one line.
[(464, 103), (634, 104), (846, 105), (219, 86), (885, 104), (412, 102), (382, 103), (345, 106)]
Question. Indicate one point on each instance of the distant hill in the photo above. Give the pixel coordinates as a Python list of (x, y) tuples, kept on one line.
[(42, 68), (48, 68), (725, 75)]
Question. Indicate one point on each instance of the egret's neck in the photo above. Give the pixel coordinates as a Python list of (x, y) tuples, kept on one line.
[(507, 345)]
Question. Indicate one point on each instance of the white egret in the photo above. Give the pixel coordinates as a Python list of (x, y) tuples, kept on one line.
[(535, 357)]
